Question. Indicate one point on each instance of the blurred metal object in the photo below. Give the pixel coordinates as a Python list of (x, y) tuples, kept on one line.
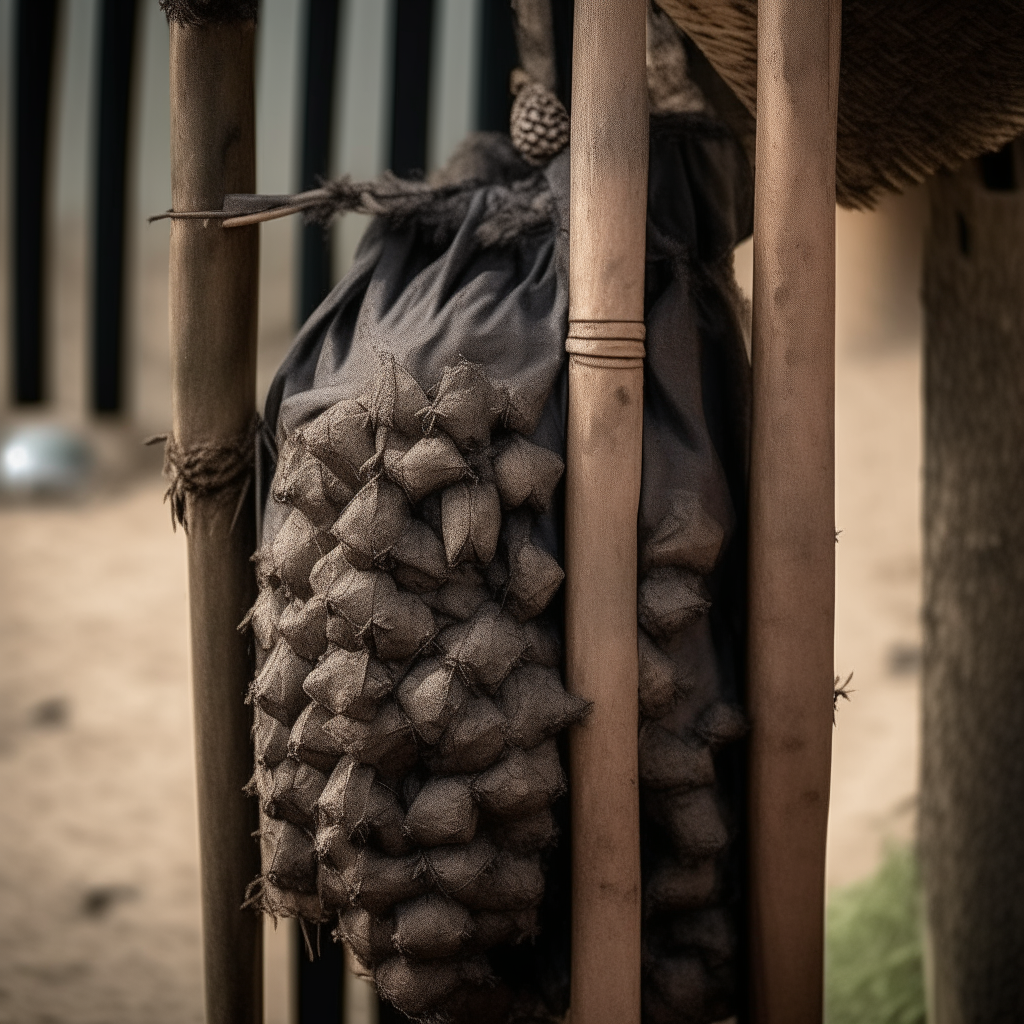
[(44, 459)]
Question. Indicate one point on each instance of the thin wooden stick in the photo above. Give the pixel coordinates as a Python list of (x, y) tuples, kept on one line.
[(213, 293), (792, 522), (606, 288)]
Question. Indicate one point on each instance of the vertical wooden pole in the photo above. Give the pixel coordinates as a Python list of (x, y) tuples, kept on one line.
[(972, 787), (608, 219), (792, 531), (213, 290)]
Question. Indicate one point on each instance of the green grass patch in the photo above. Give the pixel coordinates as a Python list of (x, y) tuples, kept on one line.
[(873, 957)]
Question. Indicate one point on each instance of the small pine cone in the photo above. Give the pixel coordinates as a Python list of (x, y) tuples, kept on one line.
[(539, 124)]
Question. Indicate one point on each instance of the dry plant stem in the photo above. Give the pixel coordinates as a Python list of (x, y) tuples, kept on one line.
[(213, 288), (792, 538), (607, 236)]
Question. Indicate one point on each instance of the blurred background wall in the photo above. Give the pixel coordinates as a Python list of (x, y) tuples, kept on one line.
[(360, 143), (98, 878)]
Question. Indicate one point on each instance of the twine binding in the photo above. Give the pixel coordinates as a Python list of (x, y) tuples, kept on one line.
[(207, 470)]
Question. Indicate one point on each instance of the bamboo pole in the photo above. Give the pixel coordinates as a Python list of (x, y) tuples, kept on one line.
[(213, 290), (792, 521), (608, 210)]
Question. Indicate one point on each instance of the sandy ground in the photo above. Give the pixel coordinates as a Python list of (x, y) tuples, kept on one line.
[(99, 918), (98, 876)]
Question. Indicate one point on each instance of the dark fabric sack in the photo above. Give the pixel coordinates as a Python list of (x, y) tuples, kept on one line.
[(420, 418)]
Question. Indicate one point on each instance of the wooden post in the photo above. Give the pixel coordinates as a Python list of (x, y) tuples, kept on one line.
[(792, 523), (608, 203), (213, 290), (972, 789)]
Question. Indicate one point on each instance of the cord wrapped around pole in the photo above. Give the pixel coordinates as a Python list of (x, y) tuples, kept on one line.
[(608, 218), (213, 290), (792, 523)]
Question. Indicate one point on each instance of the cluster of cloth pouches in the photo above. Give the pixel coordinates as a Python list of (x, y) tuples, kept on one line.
[(410, 706)]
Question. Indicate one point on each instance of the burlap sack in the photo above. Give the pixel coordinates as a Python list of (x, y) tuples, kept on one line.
[(431, 387)]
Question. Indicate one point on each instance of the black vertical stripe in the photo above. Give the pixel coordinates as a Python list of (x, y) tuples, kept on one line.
[(496, 59), (316, 275), (414, 25), (562, 12), (998, 170), (35, 34), (387, 1014), (117, 46), (321, 982)]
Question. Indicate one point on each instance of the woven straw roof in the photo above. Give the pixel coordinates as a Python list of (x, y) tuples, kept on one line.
[(925, 84)]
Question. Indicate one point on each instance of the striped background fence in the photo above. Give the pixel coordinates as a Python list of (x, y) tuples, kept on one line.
[(343, 87)]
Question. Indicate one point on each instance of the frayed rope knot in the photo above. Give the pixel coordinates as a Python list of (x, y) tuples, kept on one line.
[(206, 470)]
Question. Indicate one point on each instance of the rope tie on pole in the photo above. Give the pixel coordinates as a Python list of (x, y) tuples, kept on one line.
[(209, 457), (207, 470), (608, 339)]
